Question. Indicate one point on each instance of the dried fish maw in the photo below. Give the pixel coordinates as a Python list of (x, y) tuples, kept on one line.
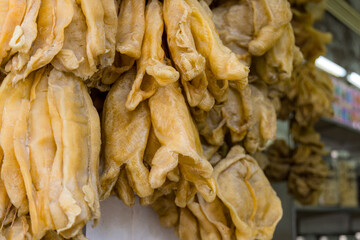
[(4, 201), (130, 31), (243, 188), (95, 37), (270, 19), (188, 227), (181, 44), (125, 136), (176, 131), (223, 63), (217, 88), (11, 13), (54, 17), (167, 210), (10, 170), (152, 68), (124, 190)]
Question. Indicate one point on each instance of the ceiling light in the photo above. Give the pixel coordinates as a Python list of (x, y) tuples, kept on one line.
[(354, 79), (330, 67)]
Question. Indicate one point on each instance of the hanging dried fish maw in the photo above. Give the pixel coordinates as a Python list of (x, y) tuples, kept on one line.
[(152, 67), (73, 55), (167, 210), (130, 32), (77, 137), (54, 17), (125, 136), (270, 20), (188, 227), (243, 188), (223, 63), (180, 40), (24, 35), (176, 131), (11, 15), (10, 170), (124, 190)]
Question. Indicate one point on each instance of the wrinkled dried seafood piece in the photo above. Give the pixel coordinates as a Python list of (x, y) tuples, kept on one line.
[(11, 15), (263, 126), (76, 127), (10, 170), (54, 17), (188, 227), (270, 20), (25, 34), (153, 70), (125, 135), (18, 230), (243, 188), (73, 55), (238, 111), (130, 33), (167, 210), (222, 61), (176, 131), (277, 64)]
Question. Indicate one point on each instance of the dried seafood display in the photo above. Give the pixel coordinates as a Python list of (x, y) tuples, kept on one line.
[(174, 97)]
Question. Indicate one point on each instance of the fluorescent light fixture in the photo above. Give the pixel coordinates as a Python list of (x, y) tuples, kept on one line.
[(354, 79), (330, 67)]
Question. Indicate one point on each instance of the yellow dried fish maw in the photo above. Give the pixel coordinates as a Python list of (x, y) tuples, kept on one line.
[(41, 154), (11, 13), (270, 20), (207, 229), (167, 210), (175, 130), (10, 170), (152, 67), (18, 230), (124, 190), (125, 135), (181, 44), (195, 89), (217, 214), (80, 146), (238, 112), (217, 88), (110, 27), (130, 31), (54, 17), (73, 55), (188, 227), (223, 63), (4, 201), (263, 125), (95, 36), (243, 188)]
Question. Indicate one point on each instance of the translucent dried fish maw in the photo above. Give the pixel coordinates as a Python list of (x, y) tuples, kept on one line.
[(77, 138), (18, 230), (188, 227), (10, 170), (167, 210), (167, 188), (223, 63), (125, 136), (54, 17), (243, 188), (217, 88), (263, 127), (152, 67), (4, 201), (95, 36), (123, 189), (197, 94), (180, 40), (238, 112), (11, 15), (73, 55), (175, 130), (277, 64), (130, 32), (24, 35), (217, 214), (270, 20)]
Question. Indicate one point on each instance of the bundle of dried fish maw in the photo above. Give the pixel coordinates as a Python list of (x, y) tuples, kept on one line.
[(53, 18), (263, 125), (11, 15), (153, 69), (125, 135), (221, 60), (177, 133), (243, 188), (280, 160), (76, 128)]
